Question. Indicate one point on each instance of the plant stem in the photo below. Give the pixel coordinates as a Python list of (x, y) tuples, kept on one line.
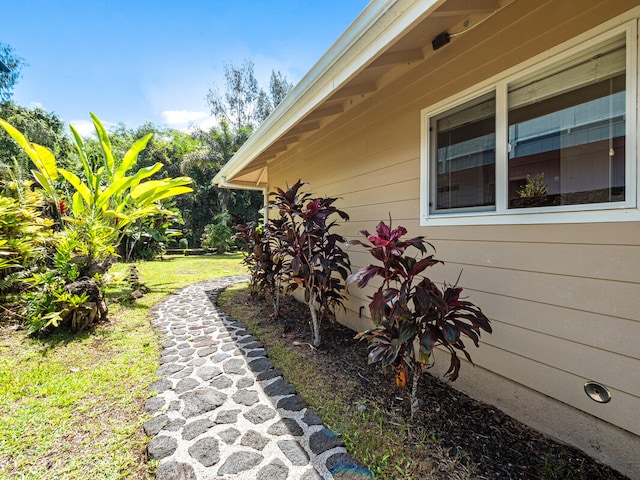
[(276, 301), (415, 405), (314, 321)]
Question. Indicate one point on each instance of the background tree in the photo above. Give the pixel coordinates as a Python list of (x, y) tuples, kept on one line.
[(8, 79), (238, 105), (238, 112), (278, 89)]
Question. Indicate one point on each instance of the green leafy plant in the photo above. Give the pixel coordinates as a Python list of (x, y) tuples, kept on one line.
[(68, 290), (218, 235), (535, 187), (92, 223), (24, 237), (314, 259), (107, 192), (412, 315)]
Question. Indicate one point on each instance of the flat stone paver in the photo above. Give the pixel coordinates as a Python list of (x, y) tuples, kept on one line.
[(219, 409)]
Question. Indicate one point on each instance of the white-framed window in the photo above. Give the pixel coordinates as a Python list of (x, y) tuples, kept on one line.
[(554, 142)]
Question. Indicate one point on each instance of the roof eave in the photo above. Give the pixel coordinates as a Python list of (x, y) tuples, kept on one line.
[(379, 24)]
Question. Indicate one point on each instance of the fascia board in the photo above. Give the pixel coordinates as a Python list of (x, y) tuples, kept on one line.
[(380, 23)]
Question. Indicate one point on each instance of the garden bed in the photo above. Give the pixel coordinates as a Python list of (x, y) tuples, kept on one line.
[(454, 436)]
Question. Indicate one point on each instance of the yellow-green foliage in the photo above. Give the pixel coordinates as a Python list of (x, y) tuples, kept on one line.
[(23, 231)]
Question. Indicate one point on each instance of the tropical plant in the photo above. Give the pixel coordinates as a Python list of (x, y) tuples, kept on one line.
[(68, 290), (108, 193), (218, 235), (24, 236), (92, 224), (265, 269), (312, 255), (412, 315)]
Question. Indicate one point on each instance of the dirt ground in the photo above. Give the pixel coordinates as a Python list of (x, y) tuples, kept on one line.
[(477, 434)]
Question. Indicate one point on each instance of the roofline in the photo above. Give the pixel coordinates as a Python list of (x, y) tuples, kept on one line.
[(353, 50)]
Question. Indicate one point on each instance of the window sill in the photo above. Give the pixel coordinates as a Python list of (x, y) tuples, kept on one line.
[(514, 217)]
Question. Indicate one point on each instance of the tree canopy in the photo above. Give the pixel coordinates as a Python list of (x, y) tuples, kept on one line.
[(238, 112), (10, 76), (244, 104)]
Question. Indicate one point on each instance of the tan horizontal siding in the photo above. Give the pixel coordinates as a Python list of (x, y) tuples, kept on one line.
[(597, 296), (612, 334), (564, 299), (618, 263), (587, 362), (556, 383)]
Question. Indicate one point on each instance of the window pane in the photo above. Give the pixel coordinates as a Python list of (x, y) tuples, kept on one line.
[(567, 133), (464, 169)]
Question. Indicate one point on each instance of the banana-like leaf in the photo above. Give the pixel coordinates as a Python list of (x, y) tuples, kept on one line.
[(20, 139), (131, 156), (148, 189), (112, 191), (45, 183), (105, 143), (118, 188), (83, 154), (80, 187), (41, 156), (152, 209), (172, 192), (120, 218), (46, 161), (77, 205), (144, 173)]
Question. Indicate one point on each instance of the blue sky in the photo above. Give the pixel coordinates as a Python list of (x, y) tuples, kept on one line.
[(133, 61)]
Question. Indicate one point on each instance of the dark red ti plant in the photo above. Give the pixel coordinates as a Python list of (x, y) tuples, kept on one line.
[(314, 259), (412, 315), (265, 269)]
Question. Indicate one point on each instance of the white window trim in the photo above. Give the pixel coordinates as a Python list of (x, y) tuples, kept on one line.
[(626, 211)]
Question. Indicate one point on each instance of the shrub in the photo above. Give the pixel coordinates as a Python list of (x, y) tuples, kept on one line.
[(412, 315), (218, 235), (266, 270), (92, 222), (24, 236), (312, 256)]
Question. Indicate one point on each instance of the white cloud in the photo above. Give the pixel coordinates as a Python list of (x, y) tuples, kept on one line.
[(187, 120), (36, 105), (86, 129), (177, 117), (207, 123)]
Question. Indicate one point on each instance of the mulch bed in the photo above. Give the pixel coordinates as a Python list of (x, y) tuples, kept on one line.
[(492, 444)]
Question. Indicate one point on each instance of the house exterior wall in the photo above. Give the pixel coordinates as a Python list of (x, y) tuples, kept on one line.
[(564, 299)]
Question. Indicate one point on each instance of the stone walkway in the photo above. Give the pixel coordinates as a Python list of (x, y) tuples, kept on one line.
[(220, 410)]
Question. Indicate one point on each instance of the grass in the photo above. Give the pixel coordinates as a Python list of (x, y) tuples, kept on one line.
[(71, 406), (366, 431)]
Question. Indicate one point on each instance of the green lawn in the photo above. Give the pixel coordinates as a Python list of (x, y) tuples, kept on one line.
[(71, 406)]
